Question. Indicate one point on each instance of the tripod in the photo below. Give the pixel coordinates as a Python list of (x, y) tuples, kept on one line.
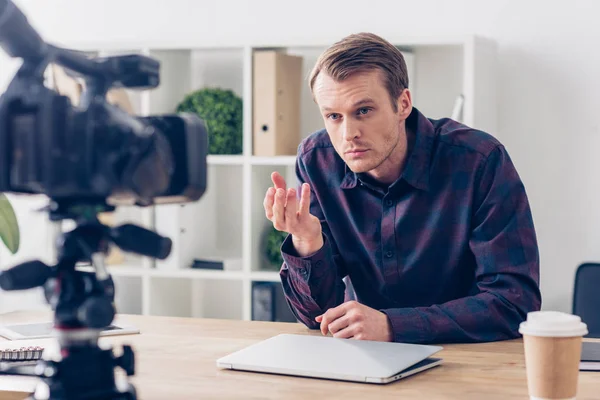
[(84, 305)]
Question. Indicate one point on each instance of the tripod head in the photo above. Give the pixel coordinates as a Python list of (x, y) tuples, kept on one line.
[(83, 299)]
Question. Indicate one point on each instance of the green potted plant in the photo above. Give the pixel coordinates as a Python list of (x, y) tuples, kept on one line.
[(272, 248), (9, 227), (222, 111)]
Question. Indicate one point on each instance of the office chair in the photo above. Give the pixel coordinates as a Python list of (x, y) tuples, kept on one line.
[(586, 297)]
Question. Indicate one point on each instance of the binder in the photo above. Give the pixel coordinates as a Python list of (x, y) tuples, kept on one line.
[(263, 302), (269, 303), (277, 86)]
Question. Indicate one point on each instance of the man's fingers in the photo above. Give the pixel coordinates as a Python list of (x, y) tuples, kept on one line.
[(339, 324), (268, 203), (331, 315), (305, 199), (325, 324), (278, 210), (278, 180), (291, 207), (346, 333)]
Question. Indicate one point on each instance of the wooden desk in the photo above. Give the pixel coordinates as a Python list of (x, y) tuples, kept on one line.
[(176, 359)]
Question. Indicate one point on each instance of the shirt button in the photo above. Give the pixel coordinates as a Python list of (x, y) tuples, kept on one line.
[(389, 254), (389, 203)]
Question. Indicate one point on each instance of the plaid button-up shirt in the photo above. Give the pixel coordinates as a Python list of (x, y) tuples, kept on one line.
[(448, 251)]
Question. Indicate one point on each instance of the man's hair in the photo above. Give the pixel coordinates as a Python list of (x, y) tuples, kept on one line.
[(362, 52)]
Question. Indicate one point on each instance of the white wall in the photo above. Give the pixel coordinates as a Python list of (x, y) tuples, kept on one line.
[(548, 102)]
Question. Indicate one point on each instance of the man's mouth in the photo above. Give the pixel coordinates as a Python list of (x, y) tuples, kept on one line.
[(356, 152)]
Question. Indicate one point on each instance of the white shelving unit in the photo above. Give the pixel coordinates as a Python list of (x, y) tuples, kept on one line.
[(229, 221)]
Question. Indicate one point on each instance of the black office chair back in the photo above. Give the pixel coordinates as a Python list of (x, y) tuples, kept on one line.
[(586, 297)]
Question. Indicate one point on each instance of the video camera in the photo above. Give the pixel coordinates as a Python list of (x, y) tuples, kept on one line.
[(88, 158), (94, 152)]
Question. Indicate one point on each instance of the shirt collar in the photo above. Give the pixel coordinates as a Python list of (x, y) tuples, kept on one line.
[(350, 179), (416, 169)]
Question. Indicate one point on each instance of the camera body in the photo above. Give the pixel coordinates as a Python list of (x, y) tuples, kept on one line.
[(96, 152)]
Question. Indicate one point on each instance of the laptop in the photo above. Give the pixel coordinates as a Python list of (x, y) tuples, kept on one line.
[(590, 356), (332, 358)]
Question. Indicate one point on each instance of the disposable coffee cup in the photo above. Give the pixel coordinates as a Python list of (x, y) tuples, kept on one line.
[(552, 343)]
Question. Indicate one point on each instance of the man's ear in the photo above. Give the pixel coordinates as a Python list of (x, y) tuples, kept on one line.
[(404, 103)]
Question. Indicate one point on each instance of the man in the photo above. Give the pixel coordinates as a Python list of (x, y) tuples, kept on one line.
[(427, 218)]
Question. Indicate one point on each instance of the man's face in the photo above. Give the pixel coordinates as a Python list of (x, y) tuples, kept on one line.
[(359, 118)]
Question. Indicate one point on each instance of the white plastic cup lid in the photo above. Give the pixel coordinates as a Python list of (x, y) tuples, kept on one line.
[(553, 324)]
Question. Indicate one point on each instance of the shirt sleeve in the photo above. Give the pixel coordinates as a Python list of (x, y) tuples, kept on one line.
[(504, 244), (312, 284)]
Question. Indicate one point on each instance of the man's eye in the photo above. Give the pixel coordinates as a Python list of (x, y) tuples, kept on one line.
[(364, 111), (334, 116)]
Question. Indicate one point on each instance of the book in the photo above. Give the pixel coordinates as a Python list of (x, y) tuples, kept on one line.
[(590, 356), (218, 263), (207, 264)]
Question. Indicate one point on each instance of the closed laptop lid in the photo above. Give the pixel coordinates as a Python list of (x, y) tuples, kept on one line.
[(590, 351), (327, 357)]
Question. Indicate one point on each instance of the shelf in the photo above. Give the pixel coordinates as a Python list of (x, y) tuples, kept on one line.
[(196, 274), (230, 217), (275, 160), (265, 276), (218, 159), (135, 271), (119, 270)]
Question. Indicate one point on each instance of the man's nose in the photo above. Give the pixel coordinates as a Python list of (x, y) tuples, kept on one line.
[(350, 130)]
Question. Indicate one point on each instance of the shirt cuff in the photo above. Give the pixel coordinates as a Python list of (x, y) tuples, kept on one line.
[(408, 325), (304, 265)]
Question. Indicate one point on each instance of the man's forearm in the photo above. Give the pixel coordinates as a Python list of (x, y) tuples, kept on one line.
[(487, 316), (303, 300), (311, 284)]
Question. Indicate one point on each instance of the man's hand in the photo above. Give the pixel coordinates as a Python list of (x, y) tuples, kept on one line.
[(292, 216), (356, 321)]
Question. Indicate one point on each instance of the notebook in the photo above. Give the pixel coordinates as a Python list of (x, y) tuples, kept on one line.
[(22, 354), (39, 330), (590, 356), (332, 358)]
